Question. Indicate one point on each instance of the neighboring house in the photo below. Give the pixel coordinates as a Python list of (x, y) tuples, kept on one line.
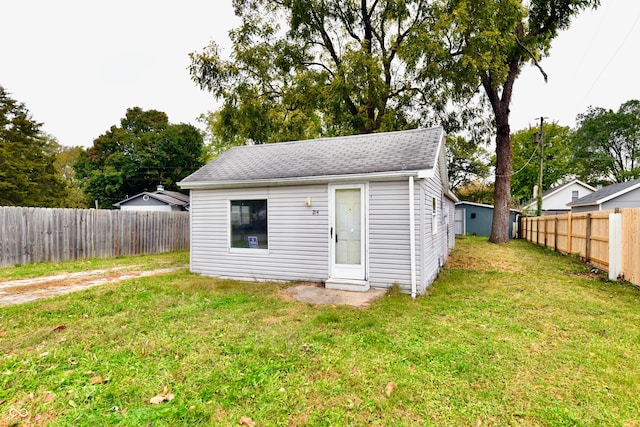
[(352, 212), (159, 200), (476, 219), (621, 195), (555, 200)]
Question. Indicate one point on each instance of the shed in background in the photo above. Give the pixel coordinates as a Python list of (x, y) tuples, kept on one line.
[(475, 219)]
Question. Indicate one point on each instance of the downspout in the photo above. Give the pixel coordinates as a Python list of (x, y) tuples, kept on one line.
[(412, 237)]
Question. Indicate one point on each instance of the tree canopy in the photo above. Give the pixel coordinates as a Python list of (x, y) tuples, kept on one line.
[(144, 151), (606, 144), (304, 68), (27, 173), (300, 69), (485, 44), (467, 161), (66, 157), (558, 166)]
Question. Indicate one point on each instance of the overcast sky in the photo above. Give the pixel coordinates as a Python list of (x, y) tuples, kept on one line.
[(78, 65)]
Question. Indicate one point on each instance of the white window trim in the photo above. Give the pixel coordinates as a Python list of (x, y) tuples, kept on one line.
[(434, 216), (252, 251)]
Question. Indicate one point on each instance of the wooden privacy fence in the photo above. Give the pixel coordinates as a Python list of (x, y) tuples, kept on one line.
[(40, 234), (610, 240)]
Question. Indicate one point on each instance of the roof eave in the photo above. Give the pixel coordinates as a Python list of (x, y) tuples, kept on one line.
[(306, 180), (618, 193)]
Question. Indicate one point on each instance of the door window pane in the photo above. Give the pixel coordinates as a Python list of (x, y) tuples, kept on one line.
[(348, 244)]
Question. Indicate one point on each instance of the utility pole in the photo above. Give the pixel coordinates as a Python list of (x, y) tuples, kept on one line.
[(538, 137)]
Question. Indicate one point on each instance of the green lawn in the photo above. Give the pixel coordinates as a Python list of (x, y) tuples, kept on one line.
[(507, 335), (142, 262)]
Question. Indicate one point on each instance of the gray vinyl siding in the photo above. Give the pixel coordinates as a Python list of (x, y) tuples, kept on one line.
[(431, 243), (451, 233), (152, 204), (389, 246), (588, 208), (298, 240), (435, 248), (627, 200)]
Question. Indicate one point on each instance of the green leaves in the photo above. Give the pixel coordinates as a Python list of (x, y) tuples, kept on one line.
[(27, 173), (333, 68), (558, 165), (467, 162), (146, 150), (606, 144)]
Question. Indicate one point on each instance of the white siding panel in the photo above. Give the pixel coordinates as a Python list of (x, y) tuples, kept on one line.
[(436, 247), (389, 250), (298, 239)]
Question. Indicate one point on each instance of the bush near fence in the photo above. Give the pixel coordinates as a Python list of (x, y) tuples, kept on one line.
[(41, 234), (611, 246)]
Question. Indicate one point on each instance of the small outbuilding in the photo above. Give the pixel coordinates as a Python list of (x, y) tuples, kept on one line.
[(476, 219), (621, 195), (159, 200), (353, 212)]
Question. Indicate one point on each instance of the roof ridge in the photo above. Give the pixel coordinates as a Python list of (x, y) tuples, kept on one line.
[(412, 150), (338, 137)]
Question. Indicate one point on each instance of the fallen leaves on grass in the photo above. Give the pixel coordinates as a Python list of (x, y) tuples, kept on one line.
[(98, 380), (59, 328), (389, 388), (164, 395), (246, 421), (48, 398)]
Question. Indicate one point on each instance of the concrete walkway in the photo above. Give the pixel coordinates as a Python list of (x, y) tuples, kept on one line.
[(316, 294)]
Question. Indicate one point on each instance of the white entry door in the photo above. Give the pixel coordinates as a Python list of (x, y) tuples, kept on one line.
[(459, 226), (348, 232)]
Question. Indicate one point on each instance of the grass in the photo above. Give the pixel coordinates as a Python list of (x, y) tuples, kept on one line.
[(507, 335), (142, 262)]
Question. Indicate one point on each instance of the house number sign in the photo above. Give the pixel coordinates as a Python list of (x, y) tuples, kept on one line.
[(315, 212)]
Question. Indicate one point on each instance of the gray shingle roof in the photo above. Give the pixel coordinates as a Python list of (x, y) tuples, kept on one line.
[(410, 150), (175, 195), (172, 198), (605, 193)]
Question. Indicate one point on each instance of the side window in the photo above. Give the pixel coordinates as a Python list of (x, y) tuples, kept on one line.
[(574, 195), (434, 216), (248, 228)]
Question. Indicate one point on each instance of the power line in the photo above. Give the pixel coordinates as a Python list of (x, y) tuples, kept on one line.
[(624, 40)]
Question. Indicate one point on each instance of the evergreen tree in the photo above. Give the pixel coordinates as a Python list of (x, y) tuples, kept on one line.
[(27, 173)]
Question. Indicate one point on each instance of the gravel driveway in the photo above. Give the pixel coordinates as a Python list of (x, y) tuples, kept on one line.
[(25, 290)]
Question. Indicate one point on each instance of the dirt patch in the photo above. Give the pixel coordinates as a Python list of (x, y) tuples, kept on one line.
[(25, 290), (315, 294)]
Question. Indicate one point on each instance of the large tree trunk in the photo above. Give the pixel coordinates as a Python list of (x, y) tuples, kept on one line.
[(502, 191)]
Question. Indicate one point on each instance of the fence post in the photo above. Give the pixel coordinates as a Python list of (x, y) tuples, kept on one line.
[(588, 240), (537, 230), (615, 245), (569, 233), (555, 235), (544, 219)]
